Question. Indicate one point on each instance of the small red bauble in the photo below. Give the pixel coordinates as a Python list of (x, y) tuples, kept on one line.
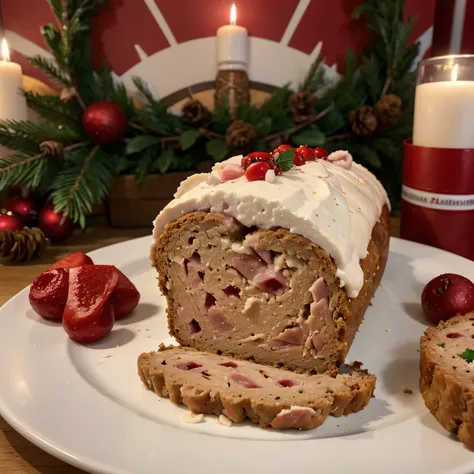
[(320, 153), (11, 222), (282, 148), (53, 225), (446, 296), (23, 207), (306, 153), (257, 171), (105, 122)]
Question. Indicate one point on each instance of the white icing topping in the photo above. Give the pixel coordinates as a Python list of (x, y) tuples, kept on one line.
[(334, 207)]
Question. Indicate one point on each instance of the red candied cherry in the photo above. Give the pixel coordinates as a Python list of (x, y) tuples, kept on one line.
[(278, 170), (446, 296), (298, 159), (320, 153), (282, 148), (257, 171), (306, 153), (254, 157)]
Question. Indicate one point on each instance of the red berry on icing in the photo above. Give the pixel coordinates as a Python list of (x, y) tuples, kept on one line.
[(446, 296), (282, 148), (257, 171), (260, 155), (254, 157), (278, 170), (298, 159), (306, 152), (320, 153)]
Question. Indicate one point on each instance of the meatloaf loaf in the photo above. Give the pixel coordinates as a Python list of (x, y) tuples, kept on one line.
[(211, 384), (278, 272), (447, 375)]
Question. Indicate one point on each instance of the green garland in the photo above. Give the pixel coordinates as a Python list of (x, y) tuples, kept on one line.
[(57, 157)]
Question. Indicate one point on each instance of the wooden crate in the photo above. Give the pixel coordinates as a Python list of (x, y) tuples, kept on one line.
[(133, 207)]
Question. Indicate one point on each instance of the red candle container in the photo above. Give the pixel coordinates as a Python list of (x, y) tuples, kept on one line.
[(437, 206)]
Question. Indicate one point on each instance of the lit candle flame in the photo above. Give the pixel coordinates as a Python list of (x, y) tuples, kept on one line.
[(233, 14), (454, 73), (5, 50)]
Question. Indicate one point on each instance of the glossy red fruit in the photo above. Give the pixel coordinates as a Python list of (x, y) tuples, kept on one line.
[(89, 314), (446, 296), (48, 293), (298, 159), (254, 157), (306, 153), (74, 260), (257, 171), (125, 297), (320, 153), (282, 148), (278, 170)]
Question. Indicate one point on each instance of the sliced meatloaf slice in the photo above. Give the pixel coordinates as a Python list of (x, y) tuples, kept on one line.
[(270, 296), (447, 375), (212, 384)]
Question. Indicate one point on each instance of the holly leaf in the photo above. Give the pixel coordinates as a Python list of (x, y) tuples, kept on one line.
[(164, 161), (188, 138), (217, 149), (139, 143), (309, 138), (285, 159), (467, 355)]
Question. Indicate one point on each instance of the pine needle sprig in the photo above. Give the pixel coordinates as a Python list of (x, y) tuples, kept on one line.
[(83, 182), (51, 70), (54, 109)]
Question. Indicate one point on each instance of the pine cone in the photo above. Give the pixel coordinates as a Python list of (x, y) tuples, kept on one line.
[(240, 137), (388, 111), (22, 245), (52, 149), (302, 106), (363, 120), (196, 114)]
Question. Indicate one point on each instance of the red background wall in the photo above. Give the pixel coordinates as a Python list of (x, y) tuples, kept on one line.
[(125, 23)]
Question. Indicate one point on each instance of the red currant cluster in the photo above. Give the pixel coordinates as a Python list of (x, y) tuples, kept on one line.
[(257, 164)]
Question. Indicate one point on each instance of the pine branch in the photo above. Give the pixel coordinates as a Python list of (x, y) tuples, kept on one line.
[(67, 114), (83, 182), (51, 70), (37, 132), (84, 169), (315, 78), (27, 170)]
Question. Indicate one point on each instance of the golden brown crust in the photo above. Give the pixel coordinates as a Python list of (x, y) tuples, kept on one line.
[(348, 314), (449, 398), (238, 407)]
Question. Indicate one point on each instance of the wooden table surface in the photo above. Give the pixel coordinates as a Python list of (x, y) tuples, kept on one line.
[(17, 455)]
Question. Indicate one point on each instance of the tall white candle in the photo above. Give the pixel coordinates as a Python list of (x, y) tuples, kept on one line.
[(232, 45), (12, 103), (444, 114)]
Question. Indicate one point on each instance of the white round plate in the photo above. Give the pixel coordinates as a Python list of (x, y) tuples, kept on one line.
[(87, 406)]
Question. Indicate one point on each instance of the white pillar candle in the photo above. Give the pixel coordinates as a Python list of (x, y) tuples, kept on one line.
[(12, 102), (232, 45), (444, 114)]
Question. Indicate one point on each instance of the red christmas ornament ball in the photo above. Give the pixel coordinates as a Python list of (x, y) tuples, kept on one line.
[(53, 226), (9, 221), (23, 207), (105, 122)]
